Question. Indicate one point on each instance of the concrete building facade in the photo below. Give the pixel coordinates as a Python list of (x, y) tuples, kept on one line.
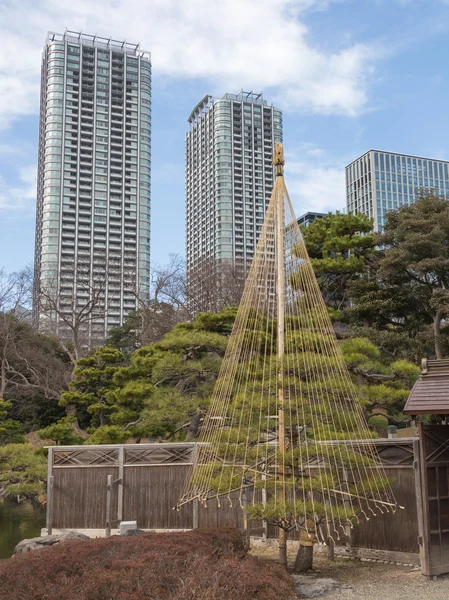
[(93, 192), (378, 182), (229, 179)]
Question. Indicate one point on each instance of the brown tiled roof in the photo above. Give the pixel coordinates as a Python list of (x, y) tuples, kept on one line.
[(430, 394)]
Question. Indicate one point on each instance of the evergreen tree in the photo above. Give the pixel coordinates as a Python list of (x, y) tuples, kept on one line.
[(383, 384), (11, 431), (340, 246), (408, 289), (92, 383), (23, 471), (165, 389), (298, 496)]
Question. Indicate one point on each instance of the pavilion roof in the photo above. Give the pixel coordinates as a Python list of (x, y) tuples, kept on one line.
[(430, 394)]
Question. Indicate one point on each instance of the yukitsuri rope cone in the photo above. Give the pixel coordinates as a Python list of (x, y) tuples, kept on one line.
[(285, 430)]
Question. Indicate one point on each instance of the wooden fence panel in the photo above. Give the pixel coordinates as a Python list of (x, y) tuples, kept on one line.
[(398, 531), (79, 497), (228, 514), (153, 478), (387, 531), (150, 493)]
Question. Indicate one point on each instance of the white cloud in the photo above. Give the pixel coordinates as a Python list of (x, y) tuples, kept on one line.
[(259, 44), (21, 198), (315, 182)]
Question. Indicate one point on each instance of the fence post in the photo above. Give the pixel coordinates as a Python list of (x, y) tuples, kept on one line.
[(108, 506), (49, 519), (347, 503), (195, 503), (264, 501), (419, 501), (195, 515), (121, 469)]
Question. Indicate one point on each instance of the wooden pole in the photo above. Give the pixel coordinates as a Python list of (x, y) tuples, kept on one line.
[(278, 161), (195, 503), (419, 503), (121, 476), (195, 514), (264, 501), (49, 519), (50, 505), (108, 506), (347, 503)]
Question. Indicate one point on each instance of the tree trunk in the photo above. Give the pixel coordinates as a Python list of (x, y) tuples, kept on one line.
[(193, 429), (283, 548), (304, 559), (437, 334), (3, 378)]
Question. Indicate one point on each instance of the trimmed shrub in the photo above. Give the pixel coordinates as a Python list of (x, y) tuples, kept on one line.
[(208, 564)]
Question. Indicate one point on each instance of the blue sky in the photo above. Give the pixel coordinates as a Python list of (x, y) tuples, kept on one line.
[(349, 75)]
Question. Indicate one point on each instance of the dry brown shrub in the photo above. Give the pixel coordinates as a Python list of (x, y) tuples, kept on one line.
[(206, 565)]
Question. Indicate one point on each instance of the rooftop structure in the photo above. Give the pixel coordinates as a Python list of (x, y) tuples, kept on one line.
[(430, 394)]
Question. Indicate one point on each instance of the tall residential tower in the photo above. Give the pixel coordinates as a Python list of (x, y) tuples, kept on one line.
[(379, 182), (93, 193), (229, 179)]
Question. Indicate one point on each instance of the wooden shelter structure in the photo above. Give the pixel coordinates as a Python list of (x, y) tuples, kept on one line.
[(430, 396)]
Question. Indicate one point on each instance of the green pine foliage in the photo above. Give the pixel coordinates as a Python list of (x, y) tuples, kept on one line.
[(406, 287), (62, 433), (382, 383), (320, 410), (23, 471), (339, 247), (11, 431), (91, 385), (167, 385)]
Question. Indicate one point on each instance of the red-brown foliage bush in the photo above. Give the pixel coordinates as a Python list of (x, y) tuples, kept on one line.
[(206, 565)]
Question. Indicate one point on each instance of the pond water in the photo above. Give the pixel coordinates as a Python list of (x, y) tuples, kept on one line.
[(17, 522)]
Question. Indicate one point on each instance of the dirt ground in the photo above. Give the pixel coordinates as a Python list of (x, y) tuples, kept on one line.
[(371, 581)]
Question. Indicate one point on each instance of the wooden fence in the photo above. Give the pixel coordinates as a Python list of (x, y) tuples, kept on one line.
[(145, 482)]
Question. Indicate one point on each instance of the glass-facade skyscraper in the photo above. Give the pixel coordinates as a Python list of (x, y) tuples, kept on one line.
[(229, 179), (379, 182), (93, 191)]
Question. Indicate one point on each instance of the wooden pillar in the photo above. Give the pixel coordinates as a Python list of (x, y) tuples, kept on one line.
[(49, 519), (108, 506), (347, 503), (264, 501), (195, 503), (195, 515), (279, 191), (120, 492), (419, 506)]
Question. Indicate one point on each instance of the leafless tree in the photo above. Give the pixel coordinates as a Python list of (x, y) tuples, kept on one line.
[(70, 306), (215, 284), (28, 364), (173, 297), (164, 304)]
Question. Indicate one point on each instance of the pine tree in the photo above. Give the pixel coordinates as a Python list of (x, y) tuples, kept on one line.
[(284, 416), (340, 247), (408, 287), (11, 431), (166, 388)]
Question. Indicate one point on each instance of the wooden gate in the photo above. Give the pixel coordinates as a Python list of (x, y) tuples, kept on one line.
[(433, 498)]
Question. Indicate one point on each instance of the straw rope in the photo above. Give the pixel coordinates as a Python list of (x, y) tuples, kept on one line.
[(302, 380)]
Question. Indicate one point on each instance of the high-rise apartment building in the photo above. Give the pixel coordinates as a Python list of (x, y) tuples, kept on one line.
[(93, 194), (309, 217), (379, 182), (229, 179)]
